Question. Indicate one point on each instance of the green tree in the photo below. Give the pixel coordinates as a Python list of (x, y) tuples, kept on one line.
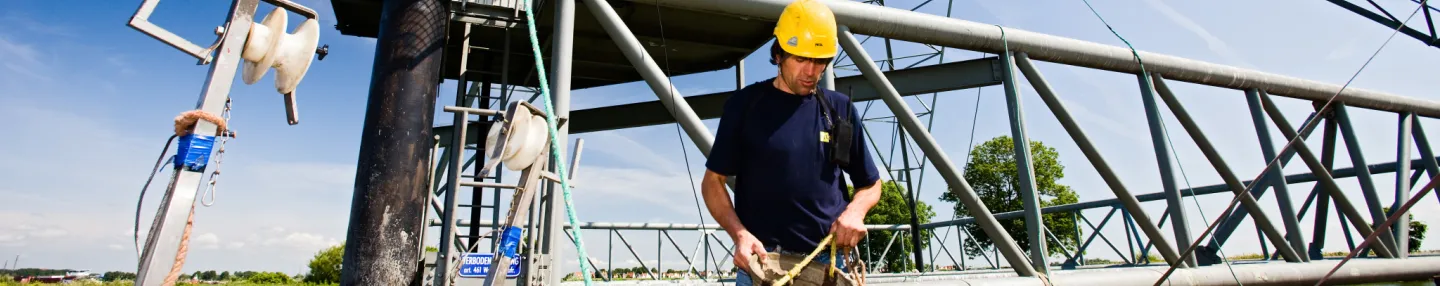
[(270, 278), (1417, 231), (993, 174), (325, 267), (209, 275), (894, 209), (112, 276), (224, 276)]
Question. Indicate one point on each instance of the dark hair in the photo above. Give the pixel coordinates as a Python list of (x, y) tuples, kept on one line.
[(776, 51)]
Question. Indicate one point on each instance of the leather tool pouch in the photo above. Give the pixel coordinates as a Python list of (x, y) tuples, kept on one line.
[(772, 266)]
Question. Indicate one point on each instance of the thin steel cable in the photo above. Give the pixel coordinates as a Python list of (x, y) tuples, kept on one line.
[(685, 153), (141, 201), (1288, 144), (1193, 198), (1166, 131)]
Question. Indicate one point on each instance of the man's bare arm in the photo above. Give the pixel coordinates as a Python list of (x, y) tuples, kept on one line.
[(717, 201), (864, 199)]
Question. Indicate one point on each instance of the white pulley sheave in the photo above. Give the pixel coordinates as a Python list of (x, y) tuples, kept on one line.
[(525, 138), (270, 47)]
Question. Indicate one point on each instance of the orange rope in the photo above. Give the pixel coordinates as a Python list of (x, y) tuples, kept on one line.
[(174, 275), (187, 119)]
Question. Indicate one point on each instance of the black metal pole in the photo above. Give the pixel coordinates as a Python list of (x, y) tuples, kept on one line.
[(477, 199), (390, 178), (910, 199)]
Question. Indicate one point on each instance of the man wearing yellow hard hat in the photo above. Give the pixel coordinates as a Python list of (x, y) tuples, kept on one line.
[(787, 141)]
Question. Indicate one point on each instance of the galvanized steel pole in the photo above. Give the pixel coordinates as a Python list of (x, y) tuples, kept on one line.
[(1077, 134), (390, 192), (658, 81), (563, 49), (1401, 231), (1162, 158), (1029, 194), (924, 28), (1261, 219), (1326, 179), (1275, 178), (1003, 242), (1367, 182), (1322, 200)]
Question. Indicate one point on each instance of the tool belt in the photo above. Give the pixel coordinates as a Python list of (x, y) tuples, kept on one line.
[(771, 267)]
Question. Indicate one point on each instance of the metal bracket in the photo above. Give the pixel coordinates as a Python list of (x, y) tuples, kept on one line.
[(141, 21)]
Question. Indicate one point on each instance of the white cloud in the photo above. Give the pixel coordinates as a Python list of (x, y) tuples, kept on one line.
[(295, 240), (234, 245), (27, 24), (49, 233), (12, 51), (114, 246), (206, 241), (12, 240), (1215, 44)]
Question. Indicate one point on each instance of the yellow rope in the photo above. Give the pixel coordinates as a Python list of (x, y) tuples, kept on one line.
[(796, 270)]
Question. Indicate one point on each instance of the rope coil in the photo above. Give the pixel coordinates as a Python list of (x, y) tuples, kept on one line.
[(183, 123)]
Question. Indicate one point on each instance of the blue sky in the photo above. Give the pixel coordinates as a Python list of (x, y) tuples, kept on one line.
[(87, 103)]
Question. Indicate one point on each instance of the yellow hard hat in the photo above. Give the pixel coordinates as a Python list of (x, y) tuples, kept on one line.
[(807, 29)]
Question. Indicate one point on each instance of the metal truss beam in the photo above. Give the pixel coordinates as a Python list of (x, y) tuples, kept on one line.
[(1391, 23), (1204, 190), (924, 28), (958, 186), (920, 80), (1357, 272)]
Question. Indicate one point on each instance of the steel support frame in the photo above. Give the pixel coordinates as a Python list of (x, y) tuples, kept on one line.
[(658, 81), (943, 164), (1173, 198), (900, 24), (1401, 228), (167, 232), (1029, 193), (1324, 175), (1262, 220), (1367, 182), (562, 51), (1047, 94), (1392, 23), (1322, 200)]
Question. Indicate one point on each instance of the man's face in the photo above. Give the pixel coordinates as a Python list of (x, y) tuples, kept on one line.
[(801, 74)]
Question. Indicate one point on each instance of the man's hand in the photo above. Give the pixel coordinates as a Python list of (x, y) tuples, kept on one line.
[(747, 246), (848, 229)]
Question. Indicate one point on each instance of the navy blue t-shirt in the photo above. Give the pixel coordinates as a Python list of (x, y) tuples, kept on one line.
[(787, 191)]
